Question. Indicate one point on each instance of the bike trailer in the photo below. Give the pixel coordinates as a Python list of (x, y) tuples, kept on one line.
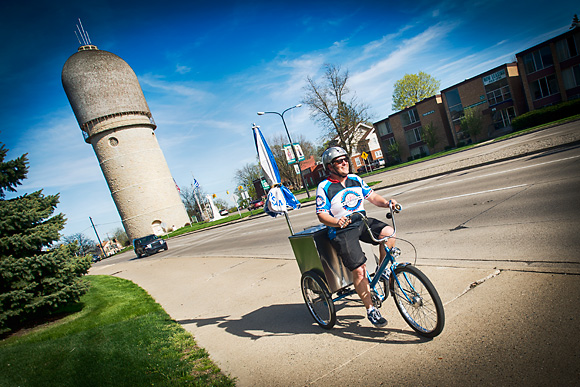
[(313, 251)]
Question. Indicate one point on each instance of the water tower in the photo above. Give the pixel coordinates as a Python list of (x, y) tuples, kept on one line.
[(114, 117)]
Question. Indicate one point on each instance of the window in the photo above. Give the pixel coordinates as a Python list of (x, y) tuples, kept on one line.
[(409, 117), (571, 77), (384, 128), (544, 87), (378, 154), (413, 136), (357, 162), (454, 105), (568, 47), (503, 118), (499, 95), (538, 59), (498, 92)]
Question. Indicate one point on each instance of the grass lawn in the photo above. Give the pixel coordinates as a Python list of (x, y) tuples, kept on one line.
[(116, 336)]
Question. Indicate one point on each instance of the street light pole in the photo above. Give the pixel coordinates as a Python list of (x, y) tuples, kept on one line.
[(291, 143)]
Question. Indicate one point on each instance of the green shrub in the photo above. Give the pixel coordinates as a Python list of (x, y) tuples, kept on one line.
[(35, 279), (546, 115)]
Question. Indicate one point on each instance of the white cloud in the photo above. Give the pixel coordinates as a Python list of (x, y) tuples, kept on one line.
[(186, 89), (182, 69)]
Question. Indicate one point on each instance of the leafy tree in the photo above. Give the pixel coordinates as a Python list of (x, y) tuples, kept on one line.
[(333, 107), (471, 122), (413, 88), (121, 236), (85, 245), (245, 177), (35, 279), (394, 151), (429, 135), (221, 204)]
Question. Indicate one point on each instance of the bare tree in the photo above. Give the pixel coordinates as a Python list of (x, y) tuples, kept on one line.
[(193, 200), (334, 108), (287, 171), (85, 244)]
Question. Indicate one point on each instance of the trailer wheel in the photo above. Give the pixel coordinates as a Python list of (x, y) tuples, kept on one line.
[(318, 300)]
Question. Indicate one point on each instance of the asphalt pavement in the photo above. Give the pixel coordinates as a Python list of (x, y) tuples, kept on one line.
[(502, 327)]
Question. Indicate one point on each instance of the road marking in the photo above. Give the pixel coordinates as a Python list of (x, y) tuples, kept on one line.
[(495, 173), (469, 194)]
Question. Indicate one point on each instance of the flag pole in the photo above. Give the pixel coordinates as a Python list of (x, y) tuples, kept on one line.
[(288, 221)]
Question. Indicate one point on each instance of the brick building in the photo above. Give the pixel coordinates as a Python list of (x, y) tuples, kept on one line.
[(406, 128), (496, 94), (550, 71)]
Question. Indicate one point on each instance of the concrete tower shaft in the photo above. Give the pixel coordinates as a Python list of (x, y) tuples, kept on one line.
[(111, 110)]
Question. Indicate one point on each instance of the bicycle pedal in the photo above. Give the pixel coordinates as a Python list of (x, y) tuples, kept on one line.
[(395, 252)]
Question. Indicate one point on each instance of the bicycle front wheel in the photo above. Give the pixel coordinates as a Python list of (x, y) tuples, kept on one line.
[(418, 301), (317, 298)]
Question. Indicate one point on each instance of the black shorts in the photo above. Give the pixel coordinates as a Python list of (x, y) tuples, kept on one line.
[(347, 245)]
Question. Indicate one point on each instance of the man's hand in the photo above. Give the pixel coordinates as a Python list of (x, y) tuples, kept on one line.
[(329, 220), (343, 222)]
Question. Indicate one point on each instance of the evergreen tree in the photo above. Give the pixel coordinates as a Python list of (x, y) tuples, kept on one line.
[(575, 22), (35, 279)]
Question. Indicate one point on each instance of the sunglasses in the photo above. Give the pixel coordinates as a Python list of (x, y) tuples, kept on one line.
[(340, 161)]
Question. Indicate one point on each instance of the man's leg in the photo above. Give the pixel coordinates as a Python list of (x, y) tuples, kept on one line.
[(386, 231), (361, 285)]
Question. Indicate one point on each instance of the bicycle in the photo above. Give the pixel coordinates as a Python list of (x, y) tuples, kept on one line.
[(415, 296)]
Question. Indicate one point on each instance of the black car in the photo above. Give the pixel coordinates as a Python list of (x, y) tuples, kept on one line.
[(149, 244)]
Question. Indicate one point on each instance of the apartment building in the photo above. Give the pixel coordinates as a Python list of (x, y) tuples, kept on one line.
[(409, 129), (550, 71), (496, 94)]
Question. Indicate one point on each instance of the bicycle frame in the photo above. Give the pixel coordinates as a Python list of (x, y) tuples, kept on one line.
[(389, 259)]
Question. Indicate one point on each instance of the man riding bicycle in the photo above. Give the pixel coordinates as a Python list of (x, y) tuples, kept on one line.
[(339, 199)]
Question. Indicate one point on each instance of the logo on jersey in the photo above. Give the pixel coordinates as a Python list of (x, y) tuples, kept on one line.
[(350, 200), (320, 201)]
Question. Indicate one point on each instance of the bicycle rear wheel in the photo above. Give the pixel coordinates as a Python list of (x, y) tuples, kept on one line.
[(418, 301), (318, 300)]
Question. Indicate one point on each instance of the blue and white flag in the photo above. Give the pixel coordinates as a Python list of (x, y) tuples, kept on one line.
[(195, 183), (279, 197)]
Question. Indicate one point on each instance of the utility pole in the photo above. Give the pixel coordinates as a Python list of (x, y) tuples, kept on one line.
[(99, 239)]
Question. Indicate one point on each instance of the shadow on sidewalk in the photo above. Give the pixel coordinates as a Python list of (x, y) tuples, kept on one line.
[(294, 319)]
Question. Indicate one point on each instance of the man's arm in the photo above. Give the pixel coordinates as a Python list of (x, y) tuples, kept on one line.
[(329, 220), (380, 201)]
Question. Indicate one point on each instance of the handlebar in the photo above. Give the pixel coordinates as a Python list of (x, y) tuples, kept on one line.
[(392, 210)]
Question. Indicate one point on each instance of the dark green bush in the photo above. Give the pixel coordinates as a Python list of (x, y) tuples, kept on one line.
[(546, 115)]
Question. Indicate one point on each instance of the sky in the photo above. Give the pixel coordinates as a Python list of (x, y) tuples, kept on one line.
[(206, 68)]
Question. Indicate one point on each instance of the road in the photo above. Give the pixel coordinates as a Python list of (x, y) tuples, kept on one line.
[(510, 228), (522, 214)]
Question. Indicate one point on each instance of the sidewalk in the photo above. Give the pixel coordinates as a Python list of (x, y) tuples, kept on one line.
[(502, 327)]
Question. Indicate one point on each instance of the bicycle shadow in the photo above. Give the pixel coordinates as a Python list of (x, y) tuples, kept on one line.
[(294, 319)]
